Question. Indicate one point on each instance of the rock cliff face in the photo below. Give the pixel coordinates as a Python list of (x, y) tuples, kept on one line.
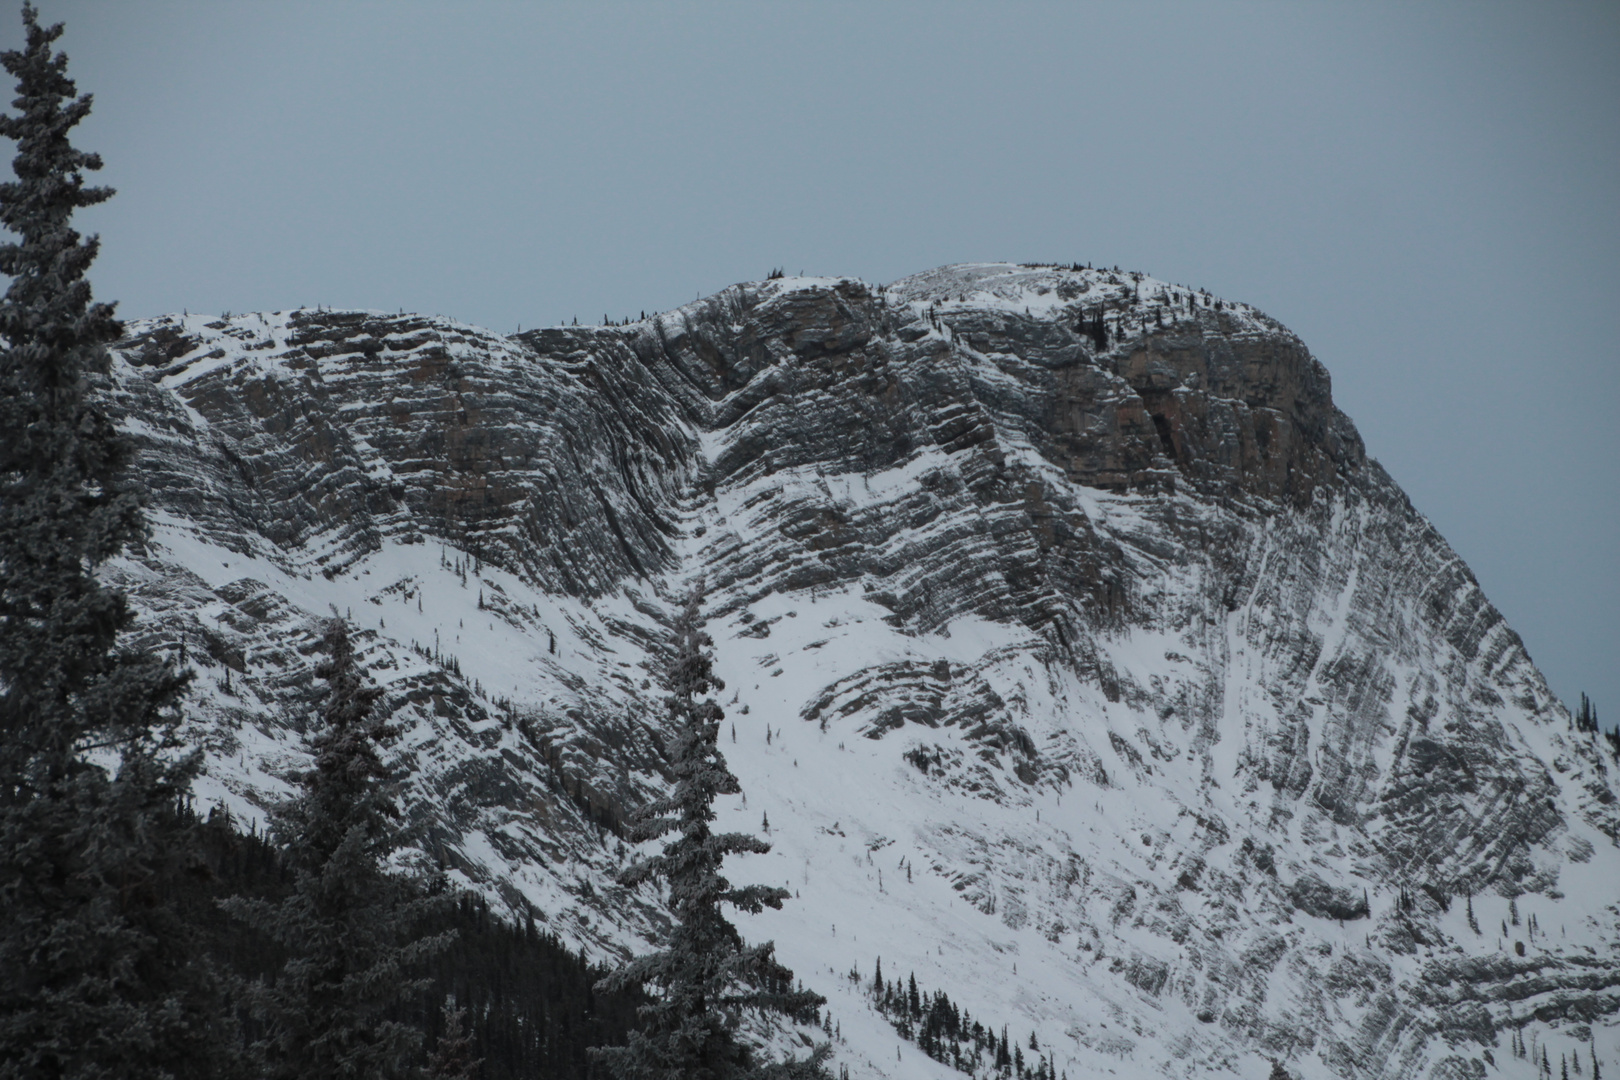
[(1081, 660)]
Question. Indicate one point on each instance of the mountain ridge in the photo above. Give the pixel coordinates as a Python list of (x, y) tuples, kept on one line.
[(1012, 533)]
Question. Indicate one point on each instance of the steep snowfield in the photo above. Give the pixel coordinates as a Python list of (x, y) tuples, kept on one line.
[(1071, 675)]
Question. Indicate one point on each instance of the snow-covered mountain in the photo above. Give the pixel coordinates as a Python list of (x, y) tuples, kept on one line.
[(1080, 660)]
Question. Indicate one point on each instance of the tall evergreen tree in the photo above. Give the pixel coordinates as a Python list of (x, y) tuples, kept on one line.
[(349, 926), (100, 978), (452, 1057), (1586, 717), (706, 976)]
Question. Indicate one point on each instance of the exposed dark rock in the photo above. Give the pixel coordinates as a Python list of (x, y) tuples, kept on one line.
[(1314, 896)]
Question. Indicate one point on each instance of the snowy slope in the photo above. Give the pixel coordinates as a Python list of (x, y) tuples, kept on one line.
[(1081, 662)]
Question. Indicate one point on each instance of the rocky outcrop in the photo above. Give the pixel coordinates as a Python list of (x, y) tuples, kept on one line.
[(1070, 590), (1314, 896), (345, 429)]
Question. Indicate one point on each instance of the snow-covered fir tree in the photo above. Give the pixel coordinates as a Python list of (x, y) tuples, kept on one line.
[(706, 976), (349, 925), (452, 1057), (99, 974)]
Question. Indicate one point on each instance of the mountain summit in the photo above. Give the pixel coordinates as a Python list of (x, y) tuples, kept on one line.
[(1084, 665)]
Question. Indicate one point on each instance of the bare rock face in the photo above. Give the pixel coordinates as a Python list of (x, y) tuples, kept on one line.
[(1069, 593)]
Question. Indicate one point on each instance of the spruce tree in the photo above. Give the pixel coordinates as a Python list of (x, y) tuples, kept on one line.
[(101, 975), (1586, 717), (348, 925), (452, 1057), (706, 976)]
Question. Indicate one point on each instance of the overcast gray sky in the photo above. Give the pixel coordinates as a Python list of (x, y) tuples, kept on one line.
[(1427, 194)]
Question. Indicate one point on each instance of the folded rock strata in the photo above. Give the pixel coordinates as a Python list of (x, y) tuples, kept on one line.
[(1081, 659)]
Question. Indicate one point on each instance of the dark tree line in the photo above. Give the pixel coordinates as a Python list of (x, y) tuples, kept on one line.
[(952, 1036), (529, 1003), (1586, 720)]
